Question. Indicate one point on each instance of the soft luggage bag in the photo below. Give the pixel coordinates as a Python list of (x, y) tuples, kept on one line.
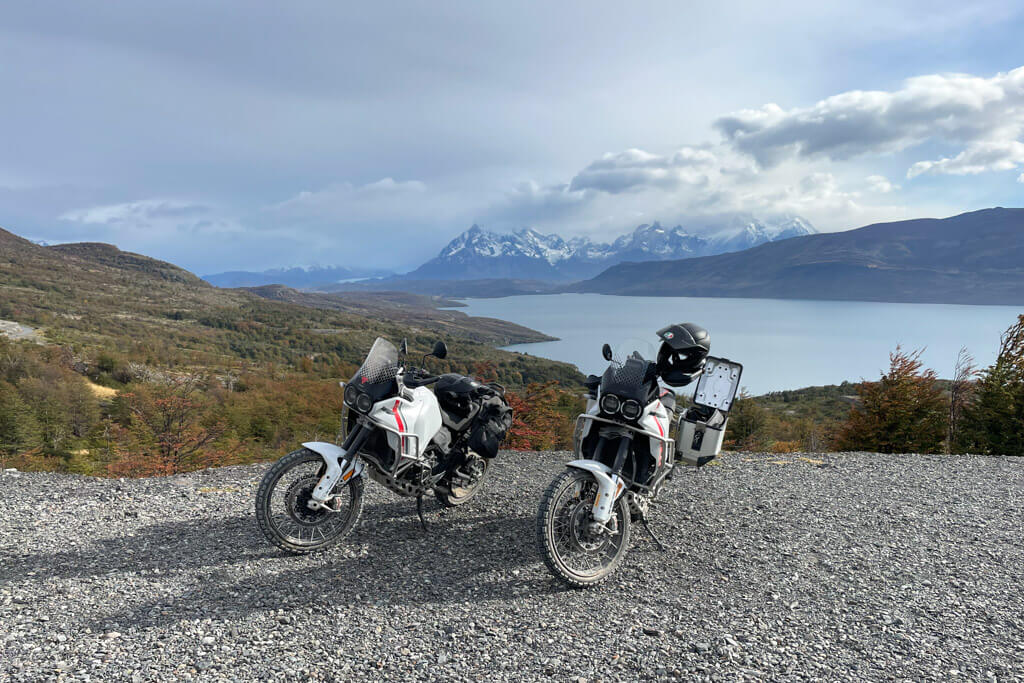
[(490, 427)]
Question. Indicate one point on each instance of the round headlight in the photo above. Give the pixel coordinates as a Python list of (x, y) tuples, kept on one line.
[(631, 409), (350, 395), (363, 403), (610, 403)]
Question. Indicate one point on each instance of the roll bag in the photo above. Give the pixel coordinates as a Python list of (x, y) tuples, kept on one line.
[(490, 426)]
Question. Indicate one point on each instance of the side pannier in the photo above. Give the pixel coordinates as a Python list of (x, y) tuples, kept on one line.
[(490, 426), (701, 429)]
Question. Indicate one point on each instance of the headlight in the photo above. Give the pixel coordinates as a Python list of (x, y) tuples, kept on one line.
[(631, 409), (610, 403), (363, 403), (350, 395)]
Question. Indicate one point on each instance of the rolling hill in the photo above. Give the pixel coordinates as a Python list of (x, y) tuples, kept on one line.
[(972, 258), (94, 298)]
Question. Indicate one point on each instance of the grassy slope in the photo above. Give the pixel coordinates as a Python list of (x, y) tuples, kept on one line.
[(94, 296)]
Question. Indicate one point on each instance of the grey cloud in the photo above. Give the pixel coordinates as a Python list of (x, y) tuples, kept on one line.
[(635, 169), (947, 107), (1002, 155)]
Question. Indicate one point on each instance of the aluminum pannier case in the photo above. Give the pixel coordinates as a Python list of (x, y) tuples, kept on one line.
[(701, 429)]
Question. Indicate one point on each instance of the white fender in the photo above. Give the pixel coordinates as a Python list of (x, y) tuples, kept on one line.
[(609, 486), (333, 458)]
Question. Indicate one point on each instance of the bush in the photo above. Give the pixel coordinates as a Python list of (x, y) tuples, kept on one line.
[(747, 421), (904, 412)]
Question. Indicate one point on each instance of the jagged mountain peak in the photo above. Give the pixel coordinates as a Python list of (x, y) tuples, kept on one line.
[(529, 253)]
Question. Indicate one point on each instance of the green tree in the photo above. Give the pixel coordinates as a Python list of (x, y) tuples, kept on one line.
[(83, 409), (19, 430), (904, 412), (994, 422)]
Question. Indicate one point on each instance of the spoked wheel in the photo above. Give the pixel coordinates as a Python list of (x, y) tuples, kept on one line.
[(282, 511), (465, 482), (575, 548)]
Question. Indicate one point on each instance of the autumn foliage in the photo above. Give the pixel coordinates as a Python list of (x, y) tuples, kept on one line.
[(905, 411), (166, 429)]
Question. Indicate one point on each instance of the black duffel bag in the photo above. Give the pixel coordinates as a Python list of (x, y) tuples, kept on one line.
[(490, 426)]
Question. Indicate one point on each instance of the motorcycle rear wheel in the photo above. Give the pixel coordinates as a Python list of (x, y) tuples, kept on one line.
[(282, 513), (569, 550), (451, 496)]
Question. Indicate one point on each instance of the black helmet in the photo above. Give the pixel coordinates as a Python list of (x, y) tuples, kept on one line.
[(683, 350)]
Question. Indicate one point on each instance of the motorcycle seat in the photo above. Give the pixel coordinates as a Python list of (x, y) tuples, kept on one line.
[(455, 420), (455, 384)]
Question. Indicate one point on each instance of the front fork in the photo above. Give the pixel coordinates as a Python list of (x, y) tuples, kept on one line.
[(339, 467), (609, 480)]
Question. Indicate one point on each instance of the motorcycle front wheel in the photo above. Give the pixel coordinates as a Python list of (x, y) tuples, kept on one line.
[(572, 548), (282, 511)]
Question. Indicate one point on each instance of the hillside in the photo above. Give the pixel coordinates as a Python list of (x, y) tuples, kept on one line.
[(416, 310), (797, 567), (94, 297), (292, 277), (483, 289), (973, 258)]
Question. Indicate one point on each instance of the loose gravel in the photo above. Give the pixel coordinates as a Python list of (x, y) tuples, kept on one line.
[(829, 567)]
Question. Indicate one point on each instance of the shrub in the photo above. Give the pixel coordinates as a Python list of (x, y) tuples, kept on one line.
[(747, 421), (904, 412)]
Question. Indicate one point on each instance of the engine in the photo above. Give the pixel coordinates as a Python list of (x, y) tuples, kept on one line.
[(442, 440)]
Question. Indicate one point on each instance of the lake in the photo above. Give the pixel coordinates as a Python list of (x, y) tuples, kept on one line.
[(781, 344)]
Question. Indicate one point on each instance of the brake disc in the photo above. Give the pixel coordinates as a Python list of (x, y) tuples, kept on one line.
[(297, 499)]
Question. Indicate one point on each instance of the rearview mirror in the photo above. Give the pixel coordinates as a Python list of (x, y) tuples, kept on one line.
[(606, 351), (440, 350), (404, 347)]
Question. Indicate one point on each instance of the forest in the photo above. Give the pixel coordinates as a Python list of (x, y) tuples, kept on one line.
[(144, 369)]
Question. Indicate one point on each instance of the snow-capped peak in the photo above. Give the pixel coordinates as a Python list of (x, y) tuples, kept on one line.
[(530, 253)]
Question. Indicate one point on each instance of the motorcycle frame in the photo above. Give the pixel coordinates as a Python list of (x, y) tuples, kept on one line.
[(340, 466), (611, 486)]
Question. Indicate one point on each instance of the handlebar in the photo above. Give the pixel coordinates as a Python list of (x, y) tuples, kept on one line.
[(419, 378)]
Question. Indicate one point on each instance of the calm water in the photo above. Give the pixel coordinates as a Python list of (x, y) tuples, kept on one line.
[(781, 344)]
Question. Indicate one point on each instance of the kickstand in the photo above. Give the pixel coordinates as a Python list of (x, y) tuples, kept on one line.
[(419, 511), (661, 546)]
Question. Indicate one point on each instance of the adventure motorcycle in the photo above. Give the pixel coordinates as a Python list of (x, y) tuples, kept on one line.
[(403, 435), (626, 450)]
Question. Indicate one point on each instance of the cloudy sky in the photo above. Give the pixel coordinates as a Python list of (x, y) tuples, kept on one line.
[(251, 135)]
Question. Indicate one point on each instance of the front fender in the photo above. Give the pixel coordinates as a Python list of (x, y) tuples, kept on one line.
[(609, 486), (337, 468)]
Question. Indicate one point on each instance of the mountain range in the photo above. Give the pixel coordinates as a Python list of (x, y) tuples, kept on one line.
[(972, 258), (532, 255)]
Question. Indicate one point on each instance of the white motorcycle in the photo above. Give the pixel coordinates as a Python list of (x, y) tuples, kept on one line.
[(403, 435), (627, 443)]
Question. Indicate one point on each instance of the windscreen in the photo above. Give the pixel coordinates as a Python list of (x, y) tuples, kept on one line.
[(625, 374), (377, 374)]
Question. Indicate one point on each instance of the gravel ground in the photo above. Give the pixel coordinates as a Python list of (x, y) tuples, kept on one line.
[(837, 566)]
